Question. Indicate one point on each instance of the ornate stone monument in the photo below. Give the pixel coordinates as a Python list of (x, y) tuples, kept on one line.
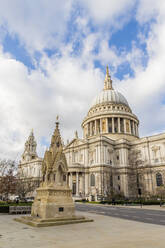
[(53, 204)]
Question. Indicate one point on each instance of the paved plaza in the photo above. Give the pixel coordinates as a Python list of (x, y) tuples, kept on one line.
[(105, 232), (146, 214)]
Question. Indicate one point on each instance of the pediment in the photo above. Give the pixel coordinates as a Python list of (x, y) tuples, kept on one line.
[(75, 142)]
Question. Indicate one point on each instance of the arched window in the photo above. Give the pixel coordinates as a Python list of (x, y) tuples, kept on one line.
[(48, 177), (159, 180), (92, 180)]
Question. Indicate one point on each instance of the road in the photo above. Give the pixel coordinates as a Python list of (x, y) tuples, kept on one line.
[(142, 215)]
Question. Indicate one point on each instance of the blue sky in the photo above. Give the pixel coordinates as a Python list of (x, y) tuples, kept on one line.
[(53, 57)]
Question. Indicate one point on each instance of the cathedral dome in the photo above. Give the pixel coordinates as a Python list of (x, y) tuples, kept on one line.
[(109, 96), (110, 114)]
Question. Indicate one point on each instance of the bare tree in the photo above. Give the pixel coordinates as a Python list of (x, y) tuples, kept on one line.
[(135, 175), (160, 192), (8, 180), (7, 165), (26, 185)]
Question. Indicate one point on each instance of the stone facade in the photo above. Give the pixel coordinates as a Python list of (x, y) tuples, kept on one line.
[(111, 159)]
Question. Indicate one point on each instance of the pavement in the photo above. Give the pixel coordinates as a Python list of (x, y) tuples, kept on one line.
[(147, 215), (149, 207), (104, 232)]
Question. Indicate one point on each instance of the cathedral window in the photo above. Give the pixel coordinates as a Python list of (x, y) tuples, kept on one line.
[(119, 187), (121, 125), (111, 181), (64, 178), (74, 188), (117, 157), (97, 126), (159, 180), (131, 126), (116, 125), (118, 177), (92, 180), (93, 127), (109, 125)]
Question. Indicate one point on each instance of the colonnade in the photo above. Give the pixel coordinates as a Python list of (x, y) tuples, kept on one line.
[(77, 182), (111, 125)]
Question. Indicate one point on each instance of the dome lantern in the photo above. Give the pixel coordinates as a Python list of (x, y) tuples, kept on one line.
[(108, 81)]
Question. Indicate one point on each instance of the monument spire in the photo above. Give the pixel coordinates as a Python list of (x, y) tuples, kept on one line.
[(108, 80), (56, 137)]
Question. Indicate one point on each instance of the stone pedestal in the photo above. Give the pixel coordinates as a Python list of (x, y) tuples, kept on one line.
[(53, 202)]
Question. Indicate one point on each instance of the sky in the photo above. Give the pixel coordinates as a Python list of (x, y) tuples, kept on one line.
[(53, 57)]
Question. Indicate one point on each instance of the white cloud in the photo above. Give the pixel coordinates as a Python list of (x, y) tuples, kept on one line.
[(104, 11), (38, 24), (146, 91), (32, 100)]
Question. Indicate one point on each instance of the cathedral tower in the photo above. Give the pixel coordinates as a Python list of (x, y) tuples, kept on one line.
[(30, 148)]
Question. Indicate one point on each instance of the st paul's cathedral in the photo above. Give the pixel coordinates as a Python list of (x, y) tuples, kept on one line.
[(111, 159)]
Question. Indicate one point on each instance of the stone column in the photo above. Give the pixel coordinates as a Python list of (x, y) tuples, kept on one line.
[(86, 183), (119, 131), (107, 125), (124, 125), (113, 127), (129, 127), (135, 129), (133, 124), (71, 181), (77, 183), (96, 155), (90, 128), (95, 128), (83, 183)]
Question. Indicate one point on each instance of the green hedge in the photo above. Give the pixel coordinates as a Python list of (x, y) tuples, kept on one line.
[(83, 200), (128, 202), (16, 204), (4, 209), (144, 202), (4, 206)]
